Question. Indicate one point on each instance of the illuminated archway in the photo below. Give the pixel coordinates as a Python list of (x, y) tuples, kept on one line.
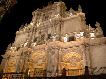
[(73, 63), (39, 62)]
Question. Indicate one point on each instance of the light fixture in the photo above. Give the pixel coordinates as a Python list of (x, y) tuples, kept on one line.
[(31, 23)]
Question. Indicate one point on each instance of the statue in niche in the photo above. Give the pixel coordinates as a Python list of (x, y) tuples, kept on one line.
[(98, 30), (54, 36), (40, 38)]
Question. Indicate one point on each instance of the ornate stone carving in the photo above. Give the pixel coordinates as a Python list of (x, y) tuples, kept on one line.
[(38, 47)]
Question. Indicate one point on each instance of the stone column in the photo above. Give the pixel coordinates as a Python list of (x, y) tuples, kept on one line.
[(52, 62), (86, 58)]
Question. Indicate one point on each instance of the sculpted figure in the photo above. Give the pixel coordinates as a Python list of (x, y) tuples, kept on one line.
[(98, 30), (79, 8), (72, 11)]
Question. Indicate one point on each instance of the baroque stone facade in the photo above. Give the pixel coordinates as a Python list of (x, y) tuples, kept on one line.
[(56, 39)]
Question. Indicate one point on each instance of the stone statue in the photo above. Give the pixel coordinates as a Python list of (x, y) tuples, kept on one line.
[(89, 28), (98, 30), (72, 11), (79, 8)]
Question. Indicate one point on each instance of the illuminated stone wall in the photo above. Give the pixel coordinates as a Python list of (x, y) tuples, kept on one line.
[(57, 55), (98, 57), (73, 23), (56, 39)]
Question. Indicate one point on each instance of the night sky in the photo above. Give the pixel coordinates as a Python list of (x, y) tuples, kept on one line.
[(21, 13)]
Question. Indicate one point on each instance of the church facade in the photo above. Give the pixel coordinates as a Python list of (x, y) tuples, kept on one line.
[(55, 40)]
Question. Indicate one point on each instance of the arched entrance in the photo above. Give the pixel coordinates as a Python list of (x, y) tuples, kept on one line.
[(73, 63), (39, 63)]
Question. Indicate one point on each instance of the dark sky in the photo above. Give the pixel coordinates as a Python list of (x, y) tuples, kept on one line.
[(21, 13)]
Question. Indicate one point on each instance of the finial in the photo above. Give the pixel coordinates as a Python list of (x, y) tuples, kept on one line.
[(89, 27), (71, 10), (98, 29), (97, 24), (79, 8)]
